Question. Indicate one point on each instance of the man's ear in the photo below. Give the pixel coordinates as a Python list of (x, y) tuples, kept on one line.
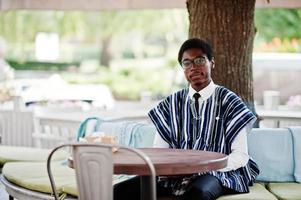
[(212, 63)]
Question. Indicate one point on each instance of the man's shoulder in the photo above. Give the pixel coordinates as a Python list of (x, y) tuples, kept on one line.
[(175, 96), (165, 103), (227, 96), (225, 91), (181, 93), (178, 94)]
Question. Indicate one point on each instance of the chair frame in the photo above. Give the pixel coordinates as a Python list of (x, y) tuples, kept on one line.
[(16, 191), (75, 146)]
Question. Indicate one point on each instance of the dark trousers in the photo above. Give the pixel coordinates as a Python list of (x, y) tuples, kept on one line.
[(205, 187)]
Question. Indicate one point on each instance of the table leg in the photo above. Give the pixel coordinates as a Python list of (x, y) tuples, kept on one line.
[(146, 190)]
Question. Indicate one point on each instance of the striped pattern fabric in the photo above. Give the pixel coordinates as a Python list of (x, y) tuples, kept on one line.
[(211, 128)]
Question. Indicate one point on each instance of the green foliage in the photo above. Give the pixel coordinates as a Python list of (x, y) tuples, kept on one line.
[(18, 26), (128, 83), (278, 30), (172, 63), (22, 26), (280, 23), (278, 45), (155, 28), (37, 65)]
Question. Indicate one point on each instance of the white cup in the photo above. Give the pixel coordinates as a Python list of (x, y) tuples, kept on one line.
[(271, 99)]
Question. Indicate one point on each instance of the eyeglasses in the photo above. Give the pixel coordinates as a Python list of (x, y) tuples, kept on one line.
[(199, 61)]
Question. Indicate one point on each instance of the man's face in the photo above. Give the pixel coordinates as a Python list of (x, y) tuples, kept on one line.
[(197, 68)]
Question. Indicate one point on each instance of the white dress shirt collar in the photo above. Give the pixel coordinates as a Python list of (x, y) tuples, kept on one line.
[(205, 92)]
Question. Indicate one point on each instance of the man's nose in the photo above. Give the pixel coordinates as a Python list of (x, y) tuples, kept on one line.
[(194, 66)]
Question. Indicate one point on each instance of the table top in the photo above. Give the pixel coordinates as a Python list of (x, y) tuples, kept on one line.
[(166, 161)]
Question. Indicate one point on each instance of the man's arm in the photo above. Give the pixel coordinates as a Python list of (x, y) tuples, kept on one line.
[(239, 150), (239, 156)]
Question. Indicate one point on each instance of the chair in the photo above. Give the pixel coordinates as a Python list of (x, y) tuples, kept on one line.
[(16, 128), (51, 129), (93, 166)]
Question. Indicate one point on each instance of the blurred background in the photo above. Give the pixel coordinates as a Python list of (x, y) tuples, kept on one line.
[(133, 54), (59, 67)]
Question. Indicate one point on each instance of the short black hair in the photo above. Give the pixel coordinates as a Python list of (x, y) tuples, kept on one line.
[(195, 43)]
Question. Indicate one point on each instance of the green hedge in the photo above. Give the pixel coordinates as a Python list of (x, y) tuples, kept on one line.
[(39, 65)]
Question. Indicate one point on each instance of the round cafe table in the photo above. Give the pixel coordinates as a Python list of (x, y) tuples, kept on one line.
[(167, 162)]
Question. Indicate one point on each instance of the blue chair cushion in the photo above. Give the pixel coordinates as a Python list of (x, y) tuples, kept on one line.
[(296, 132), (272, 150), (130, 133)]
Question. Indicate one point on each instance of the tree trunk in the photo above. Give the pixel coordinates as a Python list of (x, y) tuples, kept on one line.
[(105, 54), (228, 25)]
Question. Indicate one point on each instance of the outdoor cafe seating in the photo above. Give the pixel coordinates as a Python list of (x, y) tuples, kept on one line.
[(25, 186), (276, 150), (94, 173)]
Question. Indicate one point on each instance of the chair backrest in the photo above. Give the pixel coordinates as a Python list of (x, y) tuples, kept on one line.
[(93, 166), (129, 133), (272, 150), (51, 130), (16, 128), (93, 171)]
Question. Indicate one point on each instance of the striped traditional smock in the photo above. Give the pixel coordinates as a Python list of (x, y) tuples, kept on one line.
[(213, 128)]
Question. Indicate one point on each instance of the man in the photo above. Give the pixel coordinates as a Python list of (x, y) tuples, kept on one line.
[(206, 117)]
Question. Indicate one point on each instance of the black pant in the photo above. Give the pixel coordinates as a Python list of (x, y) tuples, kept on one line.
[(205, 187), (130, 189)]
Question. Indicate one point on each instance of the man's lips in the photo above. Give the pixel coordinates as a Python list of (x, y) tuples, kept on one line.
[(196, 75)]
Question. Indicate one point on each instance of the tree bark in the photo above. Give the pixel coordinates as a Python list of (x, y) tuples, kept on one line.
[(105, 55), (228, 25)]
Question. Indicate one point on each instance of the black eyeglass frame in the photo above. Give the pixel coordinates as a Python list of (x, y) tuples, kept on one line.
[(198, 61)]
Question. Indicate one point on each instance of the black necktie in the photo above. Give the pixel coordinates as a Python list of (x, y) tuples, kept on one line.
[(196, 97)]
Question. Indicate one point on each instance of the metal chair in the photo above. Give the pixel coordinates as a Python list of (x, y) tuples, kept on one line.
[(93, 166)]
